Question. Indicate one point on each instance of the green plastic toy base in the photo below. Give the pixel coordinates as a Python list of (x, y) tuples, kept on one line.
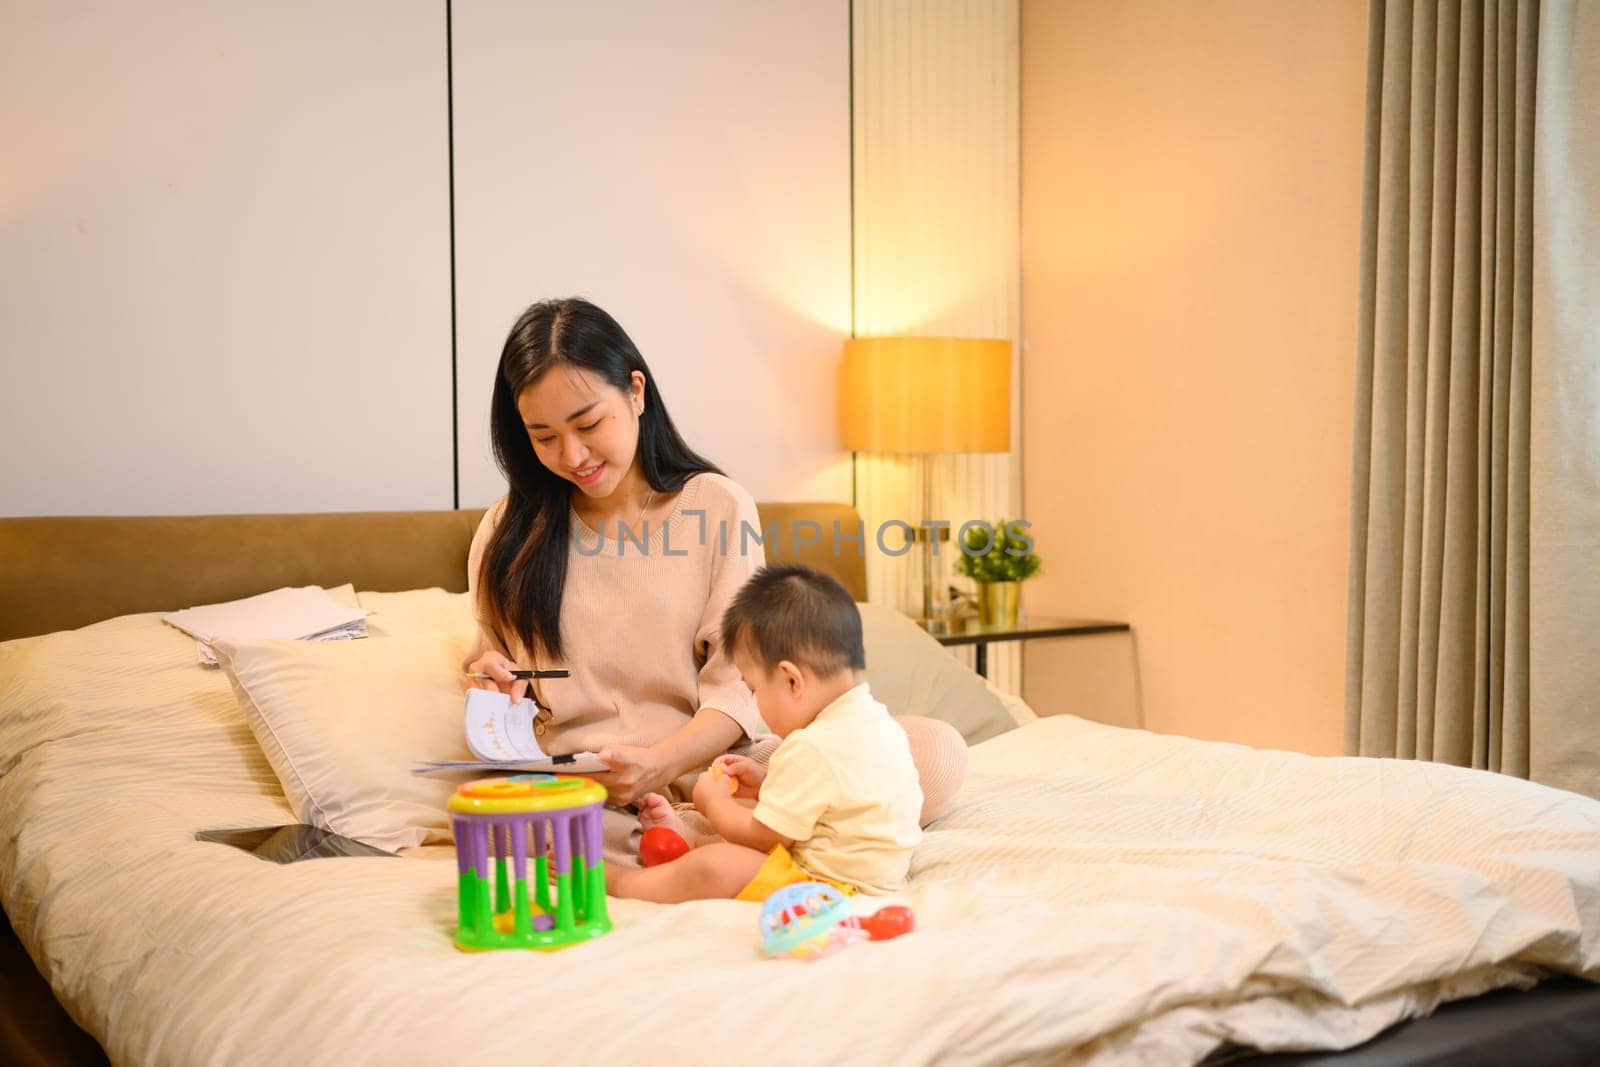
[(578, 908)]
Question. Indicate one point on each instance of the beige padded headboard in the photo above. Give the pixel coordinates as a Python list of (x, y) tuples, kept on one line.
[(61, 573)]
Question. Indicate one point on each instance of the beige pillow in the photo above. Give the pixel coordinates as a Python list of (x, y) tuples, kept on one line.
[(416, 611), (915, 675), (343, 722)]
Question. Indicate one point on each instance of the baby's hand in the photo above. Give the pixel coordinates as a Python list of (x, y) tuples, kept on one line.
[(709, 791), (747, 772)]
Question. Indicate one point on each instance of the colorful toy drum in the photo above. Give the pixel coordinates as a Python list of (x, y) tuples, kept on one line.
[(539, 817)]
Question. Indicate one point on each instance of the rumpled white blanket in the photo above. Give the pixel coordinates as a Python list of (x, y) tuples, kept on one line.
[(1093, 895)]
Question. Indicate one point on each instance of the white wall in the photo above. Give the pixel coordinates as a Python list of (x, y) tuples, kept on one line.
[(686, 167), (224, 258), (224, 239)]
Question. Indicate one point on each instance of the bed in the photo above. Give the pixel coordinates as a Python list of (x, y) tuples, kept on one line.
[(1092, 895)]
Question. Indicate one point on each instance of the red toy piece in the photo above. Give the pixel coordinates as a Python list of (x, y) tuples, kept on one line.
[(660, 845), (889, 922)]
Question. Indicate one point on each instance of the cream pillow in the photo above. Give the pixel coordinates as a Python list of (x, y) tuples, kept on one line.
[(343, 722), (416, 611), (915, 675)]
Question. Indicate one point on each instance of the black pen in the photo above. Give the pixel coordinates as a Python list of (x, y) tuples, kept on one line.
[(559, 672)]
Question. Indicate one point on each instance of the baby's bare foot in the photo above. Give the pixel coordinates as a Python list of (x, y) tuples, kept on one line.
[(656, 810)]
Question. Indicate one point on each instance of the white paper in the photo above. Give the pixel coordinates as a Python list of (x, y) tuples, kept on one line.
[(208, 655), (287, 614), (501, 734), (500, 730)]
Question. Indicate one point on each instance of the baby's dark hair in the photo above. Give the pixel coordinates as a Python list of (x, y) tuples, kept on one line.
[(795, 613)]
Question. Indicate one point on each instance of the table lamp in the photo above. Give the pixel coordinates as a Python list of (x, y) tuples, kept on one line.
[(925, 396)]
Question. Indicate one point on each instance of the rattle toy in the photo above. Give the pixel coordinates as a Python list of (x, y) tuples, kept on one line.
[(807, 921), (529, 816), (810, 920)]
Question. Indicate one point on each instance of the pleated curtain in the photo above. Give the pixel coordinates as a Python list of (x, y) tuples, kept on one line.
[(1446, 643), (1438, 635)]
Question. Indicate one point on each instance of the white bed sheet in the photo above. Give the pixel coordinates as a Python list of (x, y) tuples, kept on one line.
[(1093, 895)]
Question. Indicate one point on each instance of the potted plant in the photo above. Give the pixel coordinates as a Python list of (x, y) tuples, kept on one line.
[(999, 557)]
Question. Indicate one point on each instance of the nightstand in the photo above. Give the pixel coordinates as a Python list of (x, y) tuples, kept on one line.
[(1028, 628)]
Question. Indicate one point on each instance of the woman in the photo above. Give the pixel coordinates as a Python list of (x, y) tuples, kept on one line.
[(614, 555)]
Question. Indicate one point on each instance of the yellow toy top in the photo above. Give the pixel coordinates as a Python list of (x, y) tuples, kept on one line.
[(526, 792)]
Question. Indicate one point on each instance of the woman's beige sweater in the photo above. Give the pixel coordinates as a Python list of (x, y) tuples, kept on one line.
[(640, 617)]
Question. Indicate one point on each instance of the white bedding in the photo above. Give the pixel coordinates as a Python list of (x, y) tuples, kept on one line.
[(1094, 894)]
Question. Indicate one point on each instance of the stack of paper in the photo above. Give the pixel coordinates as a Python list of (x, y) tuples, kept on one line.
[(308, 613)]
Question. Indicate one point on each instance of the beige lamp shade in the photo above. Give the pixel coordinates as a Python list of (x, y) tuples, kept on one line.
[(925, 394)]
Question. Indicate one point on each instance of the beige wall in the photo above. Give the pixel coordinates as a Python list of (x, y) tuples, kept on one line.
[(1191, 202)]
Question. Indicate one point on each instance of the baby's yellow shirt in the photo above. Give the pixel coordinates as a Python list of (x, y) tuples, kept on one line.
[(845, 791)]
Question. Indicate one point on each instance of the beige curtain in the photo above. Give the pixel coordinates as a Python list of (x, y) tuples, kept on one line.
[(1565, 506), (1438, 628)]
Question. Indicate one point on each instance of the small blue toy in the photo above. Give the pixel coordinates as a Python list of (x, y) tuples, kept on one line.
[(807, 921)]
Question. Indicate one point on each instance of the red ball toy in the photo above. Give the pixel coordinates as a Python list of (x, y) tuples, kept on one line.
[(889, 922), (660, 845)]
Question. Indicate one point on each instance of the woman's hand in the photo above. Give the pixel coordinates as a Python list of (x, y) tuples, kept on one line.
[(499, 669), (749, 773), (634, 772)]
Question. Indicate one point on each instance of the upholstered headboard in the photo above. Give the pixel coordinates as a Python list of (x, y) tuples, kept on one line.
[(61, 573)]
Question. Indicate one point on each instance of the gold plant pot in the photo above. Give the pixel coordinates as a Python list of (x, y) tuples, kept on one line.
[(998, 603)]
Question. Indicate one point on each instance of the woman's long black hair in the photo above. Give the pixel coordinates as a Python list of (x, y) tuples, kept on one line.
[(524, 569)]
